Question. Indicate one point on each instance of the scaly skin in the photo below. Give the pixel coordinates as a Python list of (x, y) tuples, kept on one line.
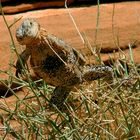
[(55, 61)]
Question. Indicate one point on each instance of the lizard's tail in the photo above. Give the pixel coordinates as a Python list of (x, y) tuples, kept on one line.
[(92, 72)]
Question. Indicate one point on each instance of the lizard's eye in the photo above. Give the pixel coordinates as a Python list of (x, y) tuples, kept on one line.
[(19, 38), (31, 23)]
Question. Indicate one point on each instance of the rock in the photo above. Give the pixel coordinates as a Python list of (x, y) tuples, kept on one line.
[(26, 6), (5, 0), (15, 6)]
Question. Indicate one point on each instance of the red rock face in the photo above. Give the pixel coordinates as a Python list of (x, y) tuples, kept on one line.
[(17, 7), (5, 0)]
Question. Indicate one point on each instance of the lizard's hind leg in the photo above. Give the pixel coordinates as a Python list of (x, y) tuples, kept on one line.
[(59, 96), (91, 73)]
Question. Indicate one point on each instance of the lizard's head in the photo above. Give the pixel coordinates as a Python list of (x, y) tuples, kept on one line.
[(27, 31)]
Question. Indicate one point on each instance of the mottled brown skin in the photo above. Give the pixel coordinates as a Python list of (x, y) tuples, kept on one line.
[(55, 61)]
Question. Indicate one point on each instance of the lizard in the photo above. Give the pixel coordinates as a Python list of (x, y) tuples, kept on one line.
[(55, 61)]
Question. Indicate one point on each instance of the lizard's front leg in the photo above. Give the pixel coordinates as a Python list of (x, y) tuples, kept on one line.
[(23, 57), (91, 73)]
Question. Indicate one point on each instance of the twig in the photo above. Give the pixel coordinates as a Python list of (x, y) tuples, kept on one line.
[(75, 25), (15, 21)]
